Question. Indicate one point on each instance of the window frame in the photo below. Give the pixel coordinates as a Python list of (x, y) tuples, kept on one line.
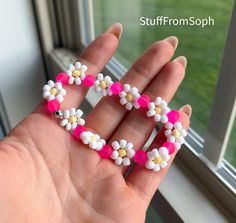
[(217, 177)]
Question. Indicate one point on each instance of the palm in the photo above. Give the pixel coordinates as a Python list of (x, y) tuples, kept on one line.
[(58, 179)]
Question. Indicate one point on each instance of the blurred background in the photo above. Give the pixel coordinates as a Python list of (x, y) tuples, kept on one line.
[(38, 38)]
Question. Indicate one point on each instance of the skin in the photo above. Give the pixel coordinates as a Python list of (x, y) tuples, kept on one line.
[(47, 176)]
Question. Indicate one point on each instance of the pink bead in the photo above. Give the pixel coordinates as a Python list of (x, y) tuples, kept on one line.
[(63, 78), (53, 106), (170, 146), (140, 157), (116, 88), (143, 101), (173, 116), (89, 80), (105, 152), (78, 130)]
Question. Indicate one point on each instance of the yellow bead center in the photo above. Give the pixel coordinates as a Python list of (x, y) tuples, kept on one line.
[(76, 73), (72, 119), (157, 160), (93, 138), (176, 133), (103, 84), (158, 110), (129, 97), (53, 91), (122, 153)]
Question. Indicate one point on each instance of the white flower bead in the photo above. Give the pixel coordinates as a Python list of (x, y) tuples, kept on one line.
[(157, 159), (129, 96), (72, 118), (102, 84), (175, 134), (122, 152), (76, 73), (93, 140), (158, 109), (53, 90)]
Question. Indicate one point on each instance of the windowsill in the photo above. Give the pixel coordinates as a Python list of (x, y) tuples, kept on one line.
[(181, 188)]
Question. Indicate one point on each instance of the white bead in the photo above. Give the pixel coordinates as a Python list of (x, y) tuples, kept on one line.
[(123, 101), (149, 165), (46, 94), (46, 87), (163, 164), (81, 121), (168, 125), (123, 143), (71, 80), (118, 161), (66, 113), (58, 85), (77, 65), (178, 126), (134, 90), (163, 151), (163, 104), (71, 67), (60, 98), (73, 125), (157, 118), (63, 92), (151, 106), (68, 126), (122, 94), (171, 139), (126, 161), (177, 145), (93, 145), (157, 100), (155, 152), (50, 97), (83, 68), (79, 112), (156, 168), (114, 154), (115, 145), (136, 105), (150, 155), (164, 119), (77, 81), (129, 106), (72, 111), (126, 87), (63, 122), (130, 153), (129, 145), (167, 133), (51, 83), (99, 77)]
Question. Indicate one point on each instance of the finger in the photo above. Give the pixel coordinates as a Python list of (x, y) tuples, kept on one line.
[(108, 112), (145, 182), (137, 127), (95, 57)]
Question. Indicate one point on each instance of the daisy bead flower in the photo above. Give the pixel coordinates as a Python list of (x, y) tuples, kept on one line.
[(157, 160), (93, 140), (76, 73), (129, 96), (175, 133), (72, 118), (158, 109), (123, 152), (53, 90), (102, 84)]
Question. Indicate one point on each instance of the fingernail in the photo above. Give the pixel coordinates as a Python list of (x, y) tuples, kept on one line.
[(187, 109), (173, 40), (182, 60), (116, 29)]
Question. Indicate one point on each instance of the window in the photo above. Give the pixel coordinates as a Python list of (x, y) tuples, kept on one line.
[(209, 85)]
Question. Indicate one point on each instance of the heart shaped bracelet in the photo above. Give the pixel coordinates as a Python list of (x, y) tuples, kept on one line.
[(122, 152)]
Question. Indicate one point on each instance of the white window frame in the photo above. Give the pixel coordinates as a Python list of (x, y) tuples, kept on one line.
[(215, 173)]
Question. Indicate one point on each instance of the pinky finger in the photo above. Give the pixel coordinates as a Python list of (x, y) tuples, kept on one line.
[(145, 182)]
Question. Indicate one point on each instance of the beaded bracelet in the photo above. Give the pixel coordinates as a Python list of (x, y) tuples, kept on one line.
[(122, 152)]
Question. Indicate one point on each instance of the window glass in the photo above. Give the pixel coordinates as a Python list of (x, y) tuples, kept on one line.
[(230, 154), (203, 47)]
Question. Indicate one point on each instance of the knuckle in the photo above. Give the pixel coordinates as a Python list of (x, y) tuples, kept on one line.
[(162, 48)]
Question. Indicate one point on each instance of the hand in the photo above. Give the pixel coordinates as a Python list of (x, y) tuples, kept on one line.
[(47, 176)]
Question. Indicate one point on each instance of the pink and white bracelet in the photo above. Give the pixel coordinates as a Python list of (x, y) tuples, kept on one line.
[(122, 152)]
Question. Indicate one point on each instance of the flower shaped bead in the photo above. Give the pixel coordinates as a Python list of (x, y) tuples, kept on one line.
[(175, 133), (123, 152), (93, 140), (102, 84), (158, 109), (76, 73), (72, 118), (53, 90), (157, 159), (129, 96)]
